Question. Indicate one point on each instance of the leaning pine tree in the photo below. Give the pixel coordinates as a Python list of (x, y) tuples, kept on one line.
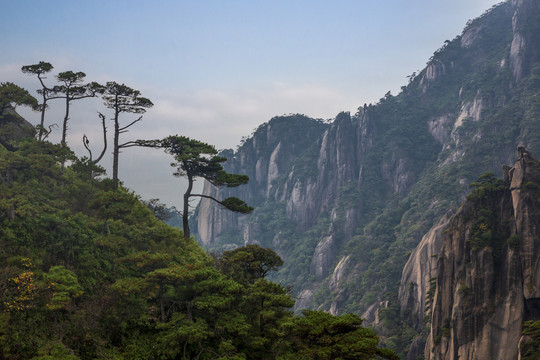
[(195, 159)]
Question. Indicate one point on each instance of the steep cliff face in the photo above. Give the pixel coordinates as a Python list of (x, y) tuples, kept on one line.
[(419, 274), (488, 270), (345, 203), (336, 164), (265, 157), (526, 31)]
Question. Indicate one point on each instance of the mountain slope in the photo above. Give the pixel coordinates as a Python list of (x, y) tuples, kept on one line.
[(89, 272), (346, 208), (488, 283)]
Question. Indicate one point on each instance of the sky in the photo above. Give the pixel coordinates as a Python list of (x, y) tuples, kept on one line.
[(217, 69)]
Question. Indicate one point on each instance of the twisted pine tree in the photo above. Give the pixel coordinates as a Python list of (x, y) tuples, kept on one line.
[(195, 159)]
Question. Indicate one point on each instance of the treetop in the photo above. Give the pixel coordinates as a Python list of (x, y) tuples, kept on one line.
[(42, 67), (125, 99)]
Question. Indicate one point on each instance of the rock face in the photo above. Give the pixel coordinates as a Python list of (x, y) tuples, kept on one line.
[(14, 127), (526, 30), (344, 202), (264, 157), (418, 277), (488, 270)]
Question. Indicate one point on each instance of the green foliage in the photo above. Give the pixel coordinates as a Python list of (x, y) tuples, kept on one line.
[(122, 98), (319, 335), (40, 68), (481, 230), (12, 95), (249, 263), (531, 348), (514, 242), (196, 159), (486, 185), (88, 272), (64, 285), (235, 204)]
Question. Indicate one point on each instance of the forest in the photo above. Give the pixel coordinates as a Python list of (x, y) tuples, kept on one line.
[(89, 271)]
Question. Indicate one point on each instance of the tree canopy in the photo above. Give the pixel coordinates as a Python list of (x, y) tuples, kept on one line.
[(320, 336), (249, 263), (12, 95), (72, 89), (40, 70), (88, 272), (123, 99)]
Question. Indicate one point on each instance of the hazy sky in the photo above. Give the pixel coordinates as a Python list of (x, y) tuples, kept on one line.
[(217, 69)]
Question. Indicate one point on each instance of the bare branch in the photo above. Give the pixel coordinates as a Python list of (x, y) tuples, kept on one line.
[(85, 142), (128, 144), (82, 96), (208, 197), (104, 137), (47, 133), (125, 127)]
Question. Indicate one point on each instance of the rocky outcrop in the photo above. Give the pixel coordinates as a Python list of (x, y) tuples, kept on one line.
[(218, 219), (526, 32), (335, 167), (324, 255), (488, 270), (14, 127), (472, 110), (418, 277), (339, 200), (264, 157)]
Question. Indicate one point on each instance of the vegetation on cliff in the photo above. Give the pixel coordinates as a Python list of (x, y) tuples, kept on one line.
[(346, 232)]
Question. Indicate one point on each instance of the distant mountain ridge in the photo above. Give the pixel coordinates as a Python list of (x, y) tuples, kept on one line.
[(346, 203)]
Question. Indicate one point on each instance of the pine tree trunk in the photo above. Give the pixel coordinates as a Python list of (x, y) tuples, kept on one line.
[(42, 121), (116, 148), (185, 214), (64, 126)]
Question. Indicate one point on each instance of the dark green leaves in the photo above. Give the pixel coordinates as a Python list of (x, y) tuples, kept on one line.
[(38, 69), (236, 205), (249, 263), (531, 346), (125, 99), (319, 335), (12, 95)]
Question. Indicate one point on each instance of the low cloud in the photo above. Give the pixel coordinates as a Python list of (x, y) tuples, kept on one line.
[(223, 117)]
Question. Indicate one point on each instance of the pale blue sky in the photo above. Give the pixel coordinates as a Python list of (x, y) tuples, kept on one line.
[(215, 70)]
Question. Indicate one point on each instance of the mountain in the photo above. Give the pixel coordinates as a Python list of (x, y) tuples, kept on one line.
[(346, 203), (487, 282)]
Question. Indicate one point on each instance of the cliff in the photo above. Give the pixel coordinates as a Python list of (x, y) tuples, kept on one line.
[(14, 127), (265, 157), (346, 203), (419, 274), (488, 270)]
